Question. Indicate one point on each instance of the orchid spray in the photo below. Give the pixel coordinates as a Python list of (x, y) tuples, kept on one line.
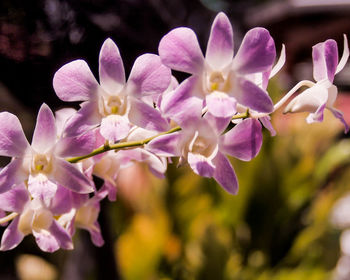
[(47, 189)]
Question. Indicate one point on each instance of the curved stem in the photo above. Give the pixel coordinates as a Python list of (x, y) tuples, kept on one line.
[(125, 145), (122, 145), (8, 218)]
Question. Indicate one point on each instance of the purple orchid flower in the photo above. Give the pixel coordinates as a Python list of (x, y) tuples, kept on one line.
[(324, 93), (42, 163), (202, 144), (84, 214), (222, 80), (34, 218), (114, 104)]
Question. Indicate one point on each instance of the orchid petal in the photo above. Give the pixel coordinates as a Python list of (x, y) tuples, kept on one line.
[(45, 133), (147, 117), (12, 236), (182, 105), (316, 116), (112, 190), (111, 68), (267, 124), (96, 236), (148, 76), (220, 44), (201, 165), (115, 127), (70, 177), (250, 95), (12, 139), (61, 235), (15, 199), (224, 174), (62, 116), (281, 61), (166, 145), (325, 60), (62, 202), (41, 187), (256, 53), (344, 57), (339, 115), (76, 146), (46, 241), (12, 174), (85, 119), (74, 81), (179, 50), (218, 124), (243, 141), (309, 100), (221, 105)]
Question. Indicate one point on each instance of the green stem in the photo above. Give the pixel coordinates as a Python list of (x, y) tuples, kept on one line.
[(124, 145)]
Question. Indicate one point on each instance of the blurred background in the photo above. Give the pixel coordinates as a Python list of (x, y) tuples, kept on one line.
[(279, 226)]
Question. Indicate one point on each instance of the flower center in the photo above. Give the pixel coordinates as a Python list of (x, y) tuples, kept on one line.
[(202, 145), (219, 81), (113, 105), (41, 163)]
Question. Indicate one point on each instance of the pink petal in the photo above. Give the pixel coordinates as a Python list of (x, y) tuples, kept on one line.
[(201, 165), (12, 139), (41, 187), (70, 177), (74, 81), (62, 202), (339, 115), (267, 124), (12, 236), (220, 45), (183, 105), (218, 124), (76, 146), (146, 117), (62, 116), (256, 53), (250, 95), (316, 116), (243, 141), (46, 241), (62, 237), (12, 174), (221, 105), (224, 174), (179, 50), (115, 127), (96, 236), (325, 60), (112, 190), (148, 76), (167, 145), (15, 199), (45, 133), (85, 119), (111, 68)]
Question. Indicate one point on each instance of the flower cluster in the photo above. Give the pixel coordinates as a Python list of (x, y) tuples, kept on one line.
[(48, 190)]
